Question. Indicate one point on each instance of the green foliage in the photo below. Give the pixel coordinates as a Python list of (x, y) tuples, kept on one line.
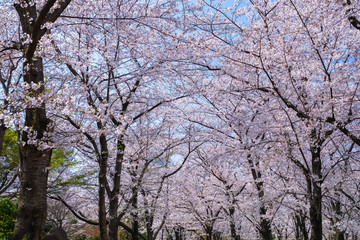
[(10, 150), (80, 237), (9, 161), (61, 159), (84, 237), (8, 211), (65, 171), (48, 226)]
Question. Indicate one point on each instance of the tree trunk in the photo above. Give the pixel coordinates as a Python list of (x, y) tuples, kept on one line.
[(34, 164), (234, 235), (135, 228), (264, 227), (179, 233), (217, 236), (149, 222), (114, 196), (209, 232), (315, 214), (316, 195), (102, 187), (33, 189), (134, 215), (336, 205), (300, 227)]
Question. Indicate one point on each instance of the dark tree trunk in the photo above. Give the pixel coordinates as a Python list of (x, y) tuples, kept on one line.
[(209, 232), (134, 215), (300, 227), (339, 235), (102, 209), (217, 236), (114, 220), (264, 227), (336, 205), (316, 195), (102, 186), (135, 228), (179, 233), (33, 189), (149, 222), (234, 235), (315, 214), (114, 195)]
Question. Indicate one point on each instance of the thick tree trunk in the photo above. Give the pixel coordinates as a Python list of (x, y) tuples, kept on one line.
[(339, 235), (102, 209), (217, 236), (135, 228), (316, 195), (102, 187), (265, 226), (234, 235), (34, 165), (33, 188), (315, 214), (134, 215), (114, 195), (114, 220)]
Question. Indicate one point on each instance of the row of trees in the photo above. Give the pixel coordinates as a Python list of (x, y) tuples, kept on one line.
[(204, 119)]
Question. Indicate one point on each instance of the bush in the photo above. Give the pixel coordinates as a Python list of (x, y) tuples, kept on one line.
[(8, 211)]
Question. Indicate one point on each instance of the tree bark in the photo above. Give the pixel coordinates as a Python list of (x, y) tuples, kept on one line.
[(32, 203), (264, 227), (234, 235), (300, 227), (179, 233), (114, 195), (316, 195), (336, 205), (209, 232), (103, 162), (134, 215)]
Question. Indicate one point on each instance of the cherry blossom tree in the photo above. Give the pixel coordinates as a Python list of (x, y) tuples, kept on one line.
[(116, 98), (299, 59), (19, 47)]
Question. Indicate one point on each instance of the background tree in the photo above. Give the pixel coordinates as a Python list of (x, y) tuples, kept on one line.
[(299, 64)]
